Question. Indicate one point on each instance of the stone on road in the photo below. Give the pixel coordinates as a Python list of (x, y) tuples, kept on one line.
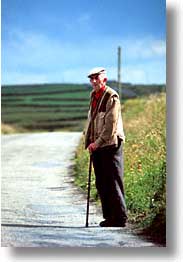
[(41, 207)]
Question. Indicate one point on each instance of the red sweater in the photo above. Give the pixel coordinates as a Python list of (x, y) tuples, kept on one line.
[(96, 96)]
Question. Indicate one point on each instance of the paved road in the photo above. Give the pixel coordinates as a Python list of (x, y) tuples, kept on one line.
[(41, 207)]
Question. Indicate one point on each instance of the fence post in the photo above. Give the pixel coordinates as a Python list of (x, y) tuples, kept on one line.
[(119, 73)]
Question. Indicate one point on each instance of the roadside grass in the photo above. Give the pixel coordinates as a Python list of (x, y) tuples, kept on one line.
[(144, 164), (11, 129)]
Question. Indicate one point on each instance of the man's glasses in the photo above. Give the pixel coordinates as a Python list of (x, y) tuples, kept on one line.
[(94, 77)]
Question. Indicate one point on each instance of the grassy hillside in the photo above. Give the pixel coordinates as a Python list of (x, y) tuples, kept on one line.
[(55, 106), (45, 107), (145, 164)]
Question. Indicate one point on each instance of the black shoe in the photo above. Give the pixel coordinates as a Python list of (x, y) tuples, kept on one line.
[(112, 223), (103, 223)]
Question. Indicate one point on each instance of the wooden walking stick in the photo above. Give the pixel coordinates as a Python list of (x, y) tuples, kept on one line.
[(88, 197)]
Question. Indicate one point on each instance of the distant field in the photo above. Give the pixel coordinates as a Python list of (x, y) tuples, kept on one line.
[(55, 106), (45, 107)]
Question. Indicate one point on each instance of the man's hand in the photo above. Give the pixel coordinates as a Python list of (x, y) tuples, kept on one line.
[(92, 147)]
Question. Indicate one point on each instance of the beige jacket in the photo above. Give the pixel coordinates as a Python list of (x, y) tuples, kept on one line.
[(105, 123)]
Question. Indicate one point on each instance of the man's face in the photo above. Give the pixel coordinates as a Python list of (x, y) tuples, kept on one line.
[(97, 81)]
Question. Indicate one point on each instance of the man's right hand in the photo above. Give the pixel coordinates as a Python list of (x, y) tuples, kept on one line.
[(92, 147)]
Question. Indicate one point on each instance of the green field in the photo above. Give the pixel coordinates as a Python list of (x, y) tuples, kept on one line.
[(45, 107), (55, 106)]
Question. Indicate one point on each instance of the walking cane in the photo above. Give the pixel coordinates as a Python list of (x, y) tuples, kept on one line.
[(88, 197)]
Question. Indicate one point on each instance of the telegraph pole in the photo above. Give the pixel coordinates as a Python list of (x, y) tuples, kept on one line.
[(119, 72)]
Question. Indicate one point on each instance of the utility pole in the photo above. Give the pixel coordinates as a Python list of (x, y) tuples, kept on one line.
[(119, 72)]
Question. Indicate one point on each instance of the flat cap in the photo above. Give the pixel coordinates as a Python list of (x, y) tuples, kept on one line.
[(96, 71)]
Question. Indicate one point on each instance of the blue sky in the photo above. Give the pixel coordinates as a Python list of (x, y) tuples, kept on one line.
[(60, 41)]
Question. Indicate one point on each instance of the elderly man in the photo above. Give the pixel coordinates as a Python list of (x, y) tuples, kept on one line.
[(104, 139)]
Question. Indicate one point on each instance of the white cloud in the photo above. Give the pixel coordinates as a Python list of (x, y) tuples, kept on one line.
[(154, 72), (159, 47), (23, 78), (134, 75), (129, 74), (31, 57), (31, 50), (144, 48)]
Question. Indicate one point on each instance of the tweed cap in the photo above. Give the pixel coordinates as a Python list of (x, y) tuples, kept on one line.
[(97, 71)]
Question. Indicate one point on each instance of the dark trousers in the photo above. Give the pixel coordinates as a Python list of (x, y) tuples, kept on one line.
[(108, 167)]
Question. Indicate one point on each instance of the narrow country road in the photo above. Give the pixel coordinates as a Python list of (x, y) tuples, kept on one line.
[(41, 207)]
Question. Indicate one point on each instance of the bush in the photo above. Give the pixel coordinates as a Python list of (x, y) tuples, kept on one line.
[(145, 164)]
